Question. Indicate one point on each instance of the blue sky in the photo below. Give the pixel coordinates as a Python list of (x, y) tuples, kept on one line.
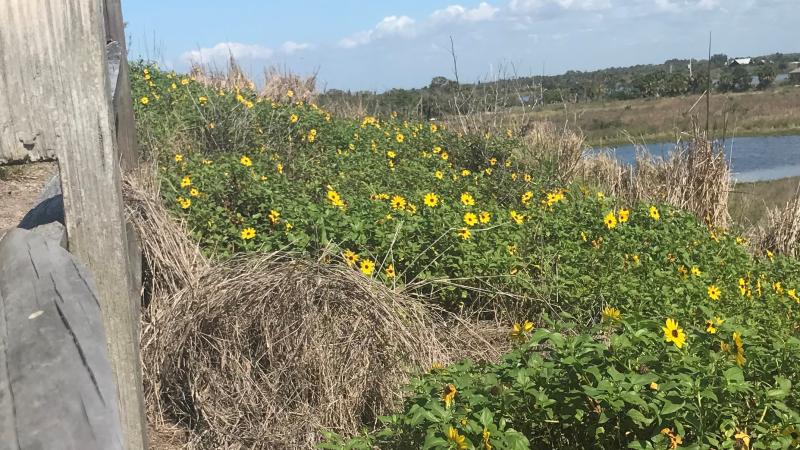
[(377, 45)]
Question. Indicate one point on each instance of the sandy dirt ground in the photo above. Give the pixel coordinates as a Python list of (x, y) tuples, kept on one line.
[(20, 186)]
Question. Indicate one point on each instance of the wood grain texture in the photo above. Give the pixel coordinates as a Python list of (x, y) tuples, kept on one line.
[(54, 86), (123, 103), (56, 385)]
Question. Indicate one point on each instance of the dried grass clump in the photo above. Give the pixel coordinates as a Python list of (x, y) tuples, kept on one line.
[(695, 177), (551, 150), (231, 78), (277, 83), (781, 231), (267, 351), (172, 259)]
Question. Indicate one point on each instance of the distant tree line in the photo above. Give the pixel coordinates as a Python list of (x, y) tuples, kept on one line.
[(672, 78)]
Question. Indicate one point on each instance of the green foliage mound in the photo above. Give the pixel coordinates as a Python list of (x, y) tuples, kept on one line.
[(647, 328)]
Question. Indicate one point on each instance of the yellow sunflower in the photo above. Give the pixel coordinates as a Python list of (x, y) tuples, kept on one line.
[(245, 161), (186, 181), (431, 200), (610, 220), (744, 438), (398, 202), (438, 174), (457, 439), (673, 333), (467, 199), (517, 217), (654, 214), (390, 273), (464, 234), (518, 329), (449, 394), (526, 197), (623, 215), (367, 267), (350, 257), (714, 292), (274, 216), (611, 314), (470, 219), (248, 233), (335, 198), (484, 217)]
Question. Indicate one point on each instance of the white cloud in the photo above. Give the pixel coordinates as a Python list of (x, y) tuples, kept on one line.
[(708, 4), (394, 25), (224, 50), (389, 26), (666, 5), (530, 6), (453, 13), (650, 7), (290, 47)]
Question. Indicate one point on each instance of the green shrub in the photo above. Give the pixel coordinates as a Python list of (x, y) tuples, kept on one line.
[(253, 174)]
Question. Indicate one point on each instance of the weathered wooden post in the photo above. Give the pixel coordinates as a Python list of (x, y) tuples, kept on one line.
[(54, 101), (123, 103)]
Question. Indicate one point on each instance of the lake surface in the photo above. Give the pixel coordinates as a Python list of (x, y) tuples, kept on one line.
[(751, 158)]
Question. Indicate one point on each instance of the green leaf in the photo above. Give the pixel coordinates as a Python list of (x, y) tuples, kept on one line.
[(633, 398), (638, 417), (434, 441), (734, 375), (670, 407), (784, 386)]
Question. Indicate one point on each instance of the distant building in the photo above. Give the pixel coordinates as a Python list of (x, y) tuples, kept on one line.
[(740, 62), (794, 76)]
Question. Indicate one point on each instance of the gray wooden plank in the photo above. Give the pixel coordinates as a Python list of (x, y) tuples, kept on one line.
[(123, 103), (54, 93), (58, 378), (47, 211), (8, 429)]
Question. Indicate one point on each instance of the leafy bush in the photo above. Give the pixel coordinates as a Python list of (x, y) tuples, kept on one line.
[(700, 338)]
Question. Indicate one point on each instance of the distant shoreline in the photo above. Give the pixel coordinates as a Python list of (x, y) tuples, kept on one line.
[(605, 124), (664, 138)]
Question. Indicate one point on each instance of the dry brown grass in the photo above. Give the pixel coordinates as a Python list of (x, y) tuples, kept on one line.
[(230, 78), (780, 231), (549, 149), (695, 177), (277, 83), (267, 351)]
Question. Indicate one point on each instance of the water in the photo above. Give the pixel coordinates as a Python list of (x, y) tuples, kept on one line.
[(752, 158)]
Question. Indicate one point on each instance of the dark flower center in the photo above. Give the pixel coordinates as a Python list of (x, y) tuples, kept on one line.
[(674, 333)]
